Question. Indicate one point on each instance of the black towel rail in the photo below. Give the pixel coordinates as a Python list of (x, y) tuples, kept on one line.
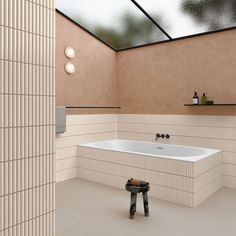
[(92, 107)]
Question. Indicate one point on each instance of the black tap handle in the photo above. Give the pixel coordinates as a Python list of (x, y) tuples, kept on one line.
[(158, 136), (162, 136)]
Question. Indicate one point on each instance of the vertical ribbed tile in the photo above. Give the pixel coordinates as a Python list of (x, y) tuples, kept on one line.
[(217, 132), (26, 166)]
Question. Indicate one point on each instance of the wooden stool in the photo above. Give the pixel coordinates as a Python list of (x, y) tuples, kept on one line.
[(133, 201)]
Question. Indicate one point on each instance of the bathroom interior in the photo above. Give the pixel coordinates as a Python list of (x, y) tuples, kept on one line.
[(94, 93)]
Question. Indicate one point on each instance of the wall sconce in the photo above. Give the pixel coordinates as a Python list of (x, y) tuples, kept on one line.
[(70, 68), (70, 52)]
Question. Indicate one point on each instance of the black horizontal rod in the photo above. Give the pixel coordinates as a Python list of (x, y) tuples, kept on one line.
[(210, 105), (81, 107), (151, 19)]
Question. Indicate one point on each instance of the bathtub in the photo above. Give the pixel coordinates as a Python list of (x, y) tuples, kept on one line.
[(180, 174), (175, 152)]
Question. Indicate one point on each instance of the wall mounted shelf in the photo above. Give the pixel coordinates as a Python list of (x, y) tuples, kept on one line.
[(81, 107), (213, 105)]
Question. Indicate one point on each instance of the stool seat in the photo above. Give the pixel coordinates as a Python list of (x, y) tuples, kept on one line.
[(135, 189)]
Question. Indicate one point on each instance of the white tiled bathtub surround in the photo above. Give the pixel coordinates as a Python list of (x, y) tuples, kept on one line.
[(201, 131), (81, 129), (185, 180), (27, 97)]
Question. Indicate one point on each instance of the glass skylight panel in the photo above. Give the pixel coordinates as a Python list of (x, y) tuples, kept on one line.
[(188, 17), (117, 22)]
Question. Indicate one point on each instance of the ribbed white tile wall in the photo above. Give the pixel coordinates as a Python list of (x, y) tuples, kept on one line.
[(203, 131), (27, 120), (81, 129)]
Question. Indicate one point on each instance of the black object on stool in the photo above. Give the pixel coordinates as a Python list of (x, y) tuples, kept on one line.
[(141, 187)]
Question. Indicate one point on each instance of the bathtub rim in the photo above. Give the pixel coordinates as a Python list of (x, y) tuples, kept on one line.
[(208, 151)]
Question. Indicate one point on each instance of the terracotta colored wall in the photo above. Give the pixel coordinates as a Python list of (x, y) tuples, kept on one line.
[(95, 81), (161, 78), (157, 79)]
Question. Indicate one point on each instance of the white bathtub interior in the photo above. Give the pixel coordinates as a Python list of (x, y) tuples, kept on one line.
[(176, 152)]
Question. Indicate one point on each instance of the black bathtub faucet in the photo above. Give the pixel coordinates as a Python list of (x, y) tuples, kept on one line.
[(162, 136)]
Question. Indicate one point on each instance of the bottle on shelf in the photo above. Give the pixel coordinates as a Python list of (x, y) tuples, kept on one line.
[(195, 99), (204, 99)]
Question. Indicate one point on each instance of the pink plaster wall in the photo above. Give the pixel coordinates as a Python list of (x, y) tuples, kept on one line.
[(156, 79), (95, 80), (161, 78)]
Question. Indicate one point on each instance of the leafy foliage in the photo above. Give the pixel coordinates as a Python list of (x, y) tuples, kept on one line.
[(135, 30), (214, 14)]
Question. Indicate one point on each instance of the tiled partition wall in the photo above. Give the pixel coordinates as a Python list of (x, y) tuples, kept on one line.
[(203, 131), (27, 69), (81, 129)]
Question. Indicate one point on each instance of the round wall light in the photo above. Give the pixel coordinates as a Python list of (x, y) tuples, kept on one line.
[(70, 52), (70, 68)]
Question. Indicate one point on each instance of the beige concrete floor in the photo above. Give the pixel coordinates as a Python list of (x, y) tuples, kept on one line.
[(86, 208)]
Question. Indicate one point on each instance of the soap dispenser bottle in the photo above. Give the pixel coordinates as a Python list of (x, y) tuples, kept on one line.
[(204, 99), (195, 99)]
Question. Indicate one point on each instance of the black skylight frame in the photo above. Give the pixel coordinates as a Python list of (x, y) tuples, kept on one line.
[(170, 39), (151, 19)]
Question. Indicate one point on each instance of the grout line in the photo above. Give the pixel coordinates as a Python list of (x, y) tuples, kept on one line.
[(27, 126), (27, 189), (28, 63), (41, 5), (101, 123), (67, 147), (226, 163), (194, 192), (173, 124), (103, 132), (92, 133), (144, 168), (71, 168), (175, 135), (28, 95), (23, 222), (230, 152), (28, 32), (47, 155), (168, 124), (232, 176), (195, 177), (164, 186), (65, 158)]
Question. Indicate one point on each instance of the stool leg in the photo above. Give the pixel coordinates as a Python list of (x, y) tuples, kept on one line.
[(133, 201), (145, 204)]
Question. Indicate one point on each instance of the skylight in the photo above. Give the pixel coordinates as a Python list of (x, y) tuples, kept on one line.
[(125, 23)]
